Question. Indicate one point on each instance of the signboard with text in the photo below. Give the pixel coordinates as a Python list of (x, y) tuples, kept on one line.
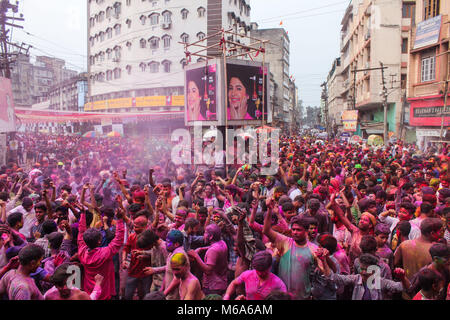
[(428, 32), (350, 120)]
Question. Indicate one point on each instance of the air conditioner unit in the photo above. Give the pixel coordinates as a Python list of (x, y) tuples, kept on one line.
[(166, 25)]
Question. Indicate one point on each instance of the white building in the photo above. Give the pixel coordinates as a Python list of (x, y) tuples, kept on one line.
[(134, 49)]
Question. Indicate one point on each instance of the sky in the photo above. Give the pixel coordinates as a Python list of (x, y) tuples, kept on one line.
[(58, 28)]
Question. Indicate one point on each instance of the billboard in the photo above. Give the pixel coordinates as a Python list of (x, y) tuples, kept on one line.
[(202, 93), (350, 120), (245, 92), (428, 32), (206, 97), (7, 117)]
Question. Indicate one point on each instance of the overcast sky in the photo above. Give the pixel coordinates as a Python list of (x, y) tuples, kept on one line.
[(58, 28)]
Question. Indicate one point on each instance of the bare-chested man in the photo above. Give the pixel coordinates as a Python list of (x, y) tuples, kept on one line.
[(61, 291), (188, 285)]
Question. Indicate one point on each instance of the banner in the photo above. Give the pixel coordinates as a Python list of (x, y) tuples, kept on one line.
[(350, 120), (428, 32)]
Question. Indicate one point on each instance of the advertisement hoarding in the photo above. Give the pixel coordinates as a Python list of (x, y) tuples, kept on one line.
[(206, 87), (245, 92), (202, 93), (350, 120)]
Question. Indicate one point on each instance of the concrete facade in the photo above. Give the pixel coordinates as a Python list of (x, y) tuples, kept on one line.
[(134, 47), (66, 95), (374, 31), (277, 55), (429, 68), (31, 82), (335, 100)]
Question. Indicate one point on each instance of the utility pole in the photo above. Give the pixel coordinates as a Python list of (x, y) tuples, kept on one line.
[(6, 58), (385, 105)]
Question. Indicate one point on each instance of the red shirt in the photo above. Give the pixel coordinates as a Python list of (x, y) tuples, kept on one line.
[(136, 268)]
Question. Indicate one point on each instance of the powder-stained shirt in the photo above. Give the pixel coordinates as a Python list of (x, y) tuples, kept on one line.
[(19, 287), (255, 289), (217, 256), (296, 266)]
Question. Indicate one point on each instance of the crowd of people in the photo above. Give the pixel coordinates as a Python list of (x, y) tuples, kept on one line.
[(115, 218)]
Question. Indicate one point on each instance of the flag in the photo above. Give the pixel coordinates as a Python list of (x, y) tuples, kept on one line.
[(281, 22)]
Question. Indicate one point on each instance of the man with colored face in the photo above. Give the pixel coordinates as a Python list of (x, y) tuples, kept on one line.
[(18, 284), (215, 263), (174, 245), (297, 260), (414, 254), (440, 253), (187, 285), (259, 282)]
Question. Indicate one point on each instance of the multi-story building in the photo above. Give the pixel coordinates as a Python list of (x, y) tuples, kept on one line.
[(375, 31), (277, 55), (136, 52), (335, 101), (429, 68), (32, 82), (69, 95)]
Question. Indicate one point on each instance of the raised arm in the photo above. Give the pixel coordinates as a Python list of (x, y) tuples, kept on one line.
[(267, 229), (337, 210)]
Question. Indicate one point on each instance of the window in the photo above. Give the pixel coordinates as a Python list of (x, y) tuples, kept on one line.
[(428, 69), (117, 9), (201, 11), (117, 51), (143, 43), (128, 67), (184, 14), (405, 45), (408, 10), (117, 73), (185, 38), (154, 42), (154, 67), (430, 9), (143, 66), (154, 19), (109, 33), (403, 81), (183, 63), (166, 41), (129, 45), (101, 16), (109, 52), (102, 36), (143, 18), (109, 74), (166, 65), (200, 36), (128, 22), (167, 17), (128, 2), (108, 12), (117, 28)]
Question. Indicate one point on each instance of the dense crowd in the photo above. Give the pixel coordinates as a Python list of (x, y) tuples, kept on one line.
[(115, 218)]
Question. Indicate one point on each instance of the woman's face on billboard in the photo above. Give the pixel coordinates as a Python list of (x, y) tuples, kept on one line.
[(237, 96), (193, 100)]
